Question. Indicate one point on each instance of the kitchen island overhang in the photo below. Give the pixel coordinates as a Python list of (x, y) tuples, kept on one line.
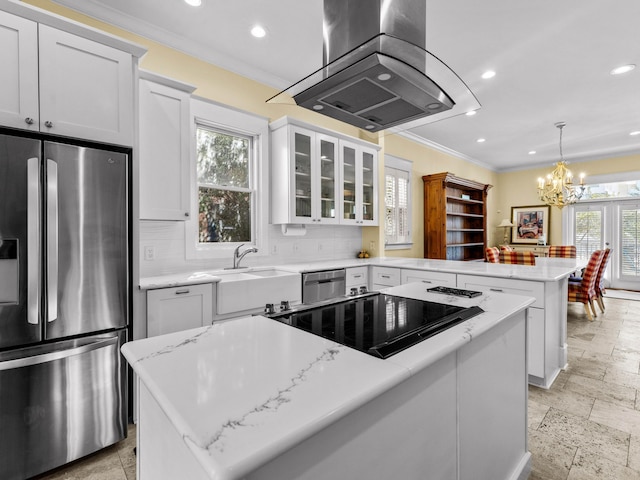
[(252, 398)]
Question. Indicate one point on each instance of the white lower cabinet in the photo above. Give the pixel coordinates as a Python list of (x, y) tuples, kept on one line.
[(492, 402), (428, 278), (179, 308), (536, 334), (542, 350), (383, 277), (357, 277)]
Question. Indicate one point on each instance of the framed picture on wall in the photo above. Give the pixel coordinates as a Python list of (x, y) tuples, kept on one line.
[(531, 224)]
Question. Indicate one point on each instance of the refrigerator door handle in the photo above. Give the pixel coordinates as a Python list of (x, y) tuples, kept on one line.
[(33, 241), (57, 354), (52, 240)]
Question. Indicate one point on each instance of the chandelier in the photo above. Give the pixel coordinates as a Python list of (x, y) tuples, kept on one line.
[(558, 188)]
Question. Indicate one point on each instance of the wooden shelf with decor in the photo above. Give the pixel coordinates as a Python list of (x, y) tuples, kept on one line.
[(455, 217)]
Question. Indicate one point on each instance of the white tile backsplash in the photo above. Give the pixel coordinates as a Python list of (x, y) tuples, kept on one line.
[(325, 242)]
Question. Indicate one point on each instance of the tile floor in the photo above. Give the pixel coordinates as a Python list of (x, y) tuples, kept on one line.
[(585, 427)]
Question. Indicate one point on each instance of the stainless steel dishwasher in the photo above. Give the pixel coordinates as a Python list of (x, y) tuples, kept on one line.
[(318, 286)]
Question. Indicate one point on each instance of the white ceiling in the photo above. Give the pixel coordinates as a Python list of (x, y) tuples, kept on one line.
[(552, 60)]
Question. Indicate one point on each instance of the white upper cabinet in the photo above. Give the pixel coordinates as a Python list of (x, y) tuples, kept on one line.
[(359, 179), (164, 148), (86, 88), (19, 74), (305, 176), (58, 82), (315, 182)]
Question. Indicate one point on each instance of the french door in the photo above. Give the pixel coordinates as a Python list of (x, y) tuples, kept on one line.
[(614, 224)]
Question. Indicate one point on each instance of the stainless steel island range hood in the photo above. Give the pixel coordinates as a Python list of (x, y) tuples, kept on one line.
[(377, 73)]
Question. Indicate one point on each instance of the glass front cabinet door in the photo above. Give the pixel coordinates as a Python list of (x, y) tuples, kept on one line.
[(315, 173), (358, 184)]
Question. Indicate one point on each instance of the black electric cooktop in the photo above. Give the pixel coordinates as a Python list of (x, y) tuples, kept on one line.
[(378, 324)]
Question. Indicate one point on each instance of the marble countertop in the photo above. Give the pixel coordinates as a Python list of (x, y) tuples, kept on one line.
[(243, 391), (546, 269)]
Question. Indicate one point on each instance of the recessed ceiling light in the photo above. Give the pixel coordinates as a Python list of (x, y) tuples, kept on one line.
[(470, 113), (370, 127), (317, 106), (480, 140), (384, 76), (258, 31), (532, 152), (193, 3), (623, 69), (637, 132), (488, 74)]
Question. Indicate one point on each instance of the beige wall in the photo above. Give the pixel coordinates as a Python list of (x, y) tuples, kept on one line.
[(425, 162), (519, 188), (509, 189)]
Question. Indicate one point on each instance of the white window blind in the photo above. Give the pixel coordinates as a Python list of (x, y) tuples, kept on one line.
[(588, 232), (397, 200), (630, 241)]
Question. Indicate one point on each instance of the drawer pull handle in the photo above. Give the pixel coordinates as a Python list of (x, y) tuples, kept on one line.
[(385, 276), (182, 292), (357, 276), (496, 290), (427, 281)]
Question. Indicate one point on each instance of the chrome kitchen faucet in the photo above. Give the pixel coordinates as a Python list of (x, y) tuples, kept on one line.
[(237, 256)]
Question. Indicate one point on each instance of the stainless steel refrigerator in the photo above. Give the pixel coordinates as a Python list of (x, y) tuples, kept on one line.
[(64, 302)]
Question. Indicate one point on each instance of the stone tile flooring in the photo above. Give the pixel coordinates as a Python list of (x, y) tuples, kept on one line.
[(585, 427)]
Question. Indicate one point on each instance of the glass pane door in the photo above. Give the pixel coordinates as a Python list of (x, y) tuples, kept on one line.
[(614, 224), (629, 244), (302, 146), (368, 208), (589, 223), (327, 179), (349, 183)]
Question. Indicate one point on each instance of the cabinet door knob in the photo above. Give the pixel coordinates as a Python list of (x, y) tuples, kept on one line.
[(186, 214), (28, 121), (48, 124)]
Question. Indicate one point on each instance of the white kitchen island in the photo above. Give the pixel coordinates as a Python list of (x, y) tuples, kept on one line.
[(253, 398)]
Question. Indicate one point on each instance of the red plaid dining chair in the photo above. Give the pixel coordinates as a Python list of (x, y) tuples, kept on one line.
[(517, 258), (585, 291), (491, 254), (600, 290), (562, 251)]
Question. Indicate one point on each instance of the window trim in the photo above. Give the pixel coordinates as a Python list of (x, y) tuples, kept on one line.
[(229, 120), (406, 166), (251, 178)]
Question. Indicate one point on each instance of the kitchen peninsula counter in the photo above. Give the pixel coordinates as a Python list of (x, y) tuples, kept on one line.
[(257, 399), (545, 269), (547, 281)]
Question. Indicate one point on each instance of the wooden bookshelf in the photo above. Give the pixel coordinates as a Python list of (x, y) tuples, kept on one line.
[(455, 217)]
